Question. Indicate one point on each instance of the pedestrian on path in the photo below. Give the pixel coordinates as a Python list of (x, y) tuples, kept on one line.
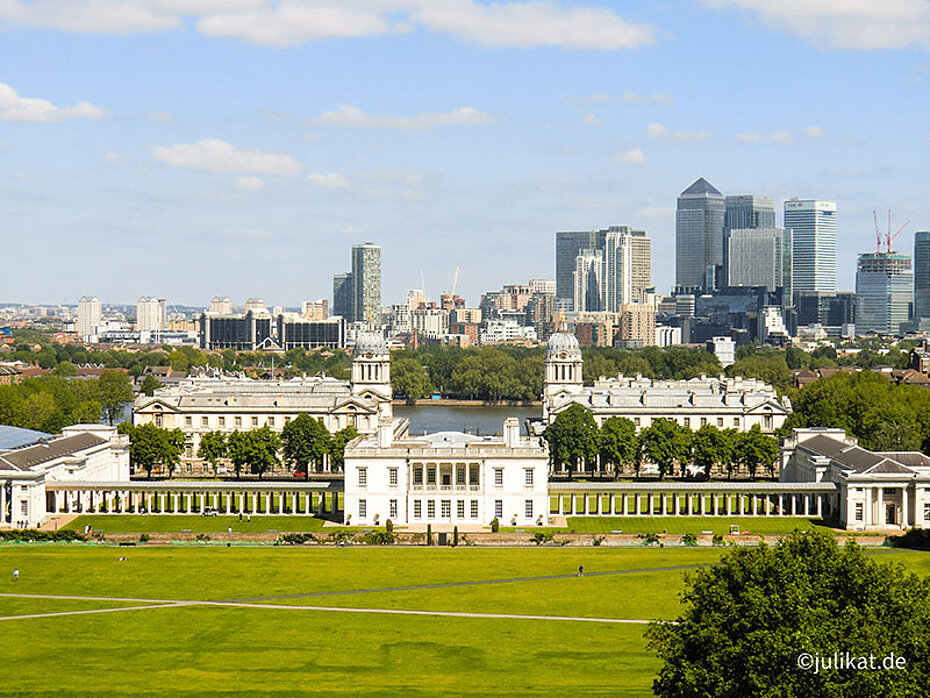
[(581, 570), (16, 575)]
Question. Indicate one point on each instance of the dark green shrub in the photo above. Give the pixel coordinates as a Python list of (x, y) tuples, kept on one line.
[(144, 538), (32, 534), (389, 526), (495, 525), (429, 534), (297, 538), (541, 537), (689, 539), (379, 538), (455, 536), (718, 540), (914, 538)]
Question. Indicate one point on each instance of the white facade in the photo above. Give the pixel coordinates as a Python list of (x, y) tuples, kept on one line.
[(874, 490), (722, 402), (499, 331), (667, 336), (85, 453), (88, 317), (724, 348), (151, 314), (221, 306), (447, 478)]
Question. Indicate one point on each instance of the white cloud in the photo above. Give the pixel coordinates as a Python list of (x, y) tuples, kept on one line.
[(522, 23), (111, 157), (783, 137), (814, 132), (213, 155), (662, 132), (635, 156), (250, 183), (592, 120), (654, 97), (347, 115), (16, 108), (329, 180), (843, 24), (626, 96)]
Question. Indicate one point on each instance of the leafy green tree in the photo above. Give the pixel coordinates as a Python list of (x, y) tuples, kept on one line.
[(750, 623), (238, 450), (667, 444), (264, 447), (151, 446), (573, 438), (337, 448), (213, 448), (305, 441), (65, 369), (38, 411), (114, 390), (711, 447), (150, 384), (409, 379), (618, 443), (770, 367), (755, 449)]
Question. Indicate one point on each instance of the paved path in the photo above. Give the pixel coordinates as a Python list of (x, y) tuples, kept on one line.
[(163, 603)]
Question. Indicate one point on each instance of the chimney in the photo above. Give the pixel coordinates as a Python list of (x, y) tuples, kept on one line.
[(385, 433), (512, 432)]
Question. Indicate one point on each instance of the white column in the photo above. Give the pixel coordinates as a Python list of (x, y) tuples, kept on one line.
[(690, 497), (904, 518), (880, 491), (623, 503)]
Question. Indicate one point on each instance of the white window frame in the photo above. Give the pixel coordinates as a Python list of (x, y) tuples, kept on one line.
[(498, 508), (528, 508), (363, 477), (498, 477), (392, 508)]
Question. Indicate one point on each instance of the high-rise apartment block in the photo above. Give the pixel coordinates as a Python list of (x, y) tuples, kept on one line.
[(151, 314), (743, 212), (813, 242), (221, 306), (921, 274), (884, 292), (699, 236), (366, 280), (759, 257), (626, 260), (88, 316), (588, 281)]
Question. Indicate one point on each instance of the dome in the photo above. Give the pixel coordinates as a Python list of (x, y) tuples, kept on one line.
[(370, 342), (562, 341)]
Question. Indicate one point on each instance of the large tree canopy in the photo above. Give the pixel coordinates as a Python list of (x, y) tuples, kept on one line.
[(752, 624), (573, 438)]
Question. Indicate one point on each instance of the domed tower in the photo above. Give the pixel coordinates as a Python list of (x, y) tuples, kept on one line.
[(563, 367), (371, 365)]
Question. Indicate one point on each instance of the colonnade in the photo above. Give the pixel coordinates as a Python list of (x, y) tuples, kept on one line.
[(176, 499), (688, 502)]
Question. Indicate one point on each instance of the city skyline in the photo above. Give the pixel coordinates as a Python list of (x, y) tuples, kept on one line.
[(148, 141)]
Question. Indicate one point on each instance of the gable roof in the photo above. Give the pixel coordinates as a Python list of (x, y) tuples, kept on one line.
[(26, 458)]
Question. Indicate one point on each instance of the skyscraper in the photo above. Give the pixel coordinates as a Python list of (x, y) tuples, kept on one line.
[(921, 275), (88, 316), (344, 296), (884, 292), (628, 266), (366, 279), (699, 236), (743, 212), (813, 249), (568, 245), (588, 281), (757, 257), (151, 314)]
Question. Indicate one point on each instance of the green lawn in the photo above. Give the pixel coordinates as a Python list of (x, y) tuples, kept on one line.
[(766, 525), (175, 523), (281, 651)]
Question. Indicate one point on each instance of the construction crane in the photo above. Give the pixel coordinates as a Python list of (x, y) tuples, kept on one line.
[(888, 237), (455, 280)]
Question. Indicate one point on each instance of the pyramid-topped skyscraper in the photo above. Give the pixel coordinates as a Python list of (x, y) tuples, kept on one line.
[(699, 236)]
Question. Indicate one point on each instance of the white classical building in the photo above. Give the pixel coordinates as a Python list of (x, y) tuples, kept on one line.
[(447, 478), (738, 403), (83, 454), (216, 402), (873, 489)]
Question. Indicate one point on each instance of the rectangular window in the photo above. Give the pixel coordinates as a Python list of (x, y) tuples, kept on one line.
[(238, 422), (460, 475), (528, 508), (24, 508), (687, 422), (890, 491), (703, 421), (254, 421), (363, 477), (287, 420), (205, 421), (460, 509), (431, 509), (859, 511), (222, 421), (736, 422), (362, 508), (720, 422), (474, 508), (392, 477), (446, 509), (430, 475), (188, 421), (418, 475), (270, 421), (637, 421), (499, 508), (926, 511), (417, 509), (473, 476), (392, 508), (528, 477), (498, 476)]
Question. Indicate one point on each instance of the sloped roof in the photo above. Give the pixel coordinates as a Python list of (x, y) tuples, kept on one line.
[(26, 458), (701, 186), (16, 437), (888, 466)]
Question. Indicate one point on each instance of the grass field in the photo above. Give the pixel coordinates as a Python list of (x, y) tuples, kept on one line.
[(281, 640), (175, 523)]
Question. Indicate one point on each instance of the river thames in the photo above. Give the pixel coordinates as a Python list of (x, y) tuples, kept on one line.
[(478, 419)]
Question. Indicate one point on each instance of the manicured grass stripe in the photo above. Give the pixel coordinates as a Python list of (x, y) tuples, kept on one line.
[(689, 524), (175, 523)]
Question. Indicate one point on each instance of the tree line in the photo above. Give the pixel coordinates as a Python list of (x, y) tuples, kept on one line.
[(51, 403), (303, 445), (578, 444)]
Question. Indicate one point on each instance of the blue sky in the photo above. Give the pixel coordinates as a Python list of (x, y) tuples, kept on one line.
[(188, 148)]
